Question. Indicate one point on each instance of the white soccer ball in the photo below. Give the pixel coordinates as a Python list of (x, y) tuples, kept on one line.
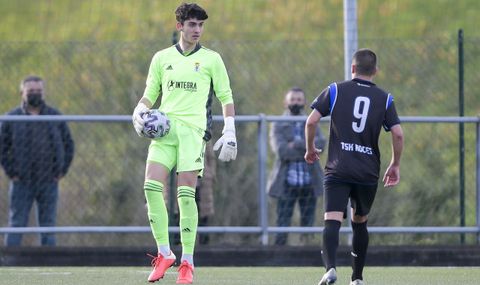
[(156, 125)]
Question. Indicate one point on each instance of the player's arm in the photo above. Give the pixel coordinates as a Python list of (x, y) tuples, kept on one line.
[(320, 140), (322, 107), (228, 140), (143, 105), (312, 153), (137, 117), (221, 86), (150, 95), (228, 110), (392, 174)]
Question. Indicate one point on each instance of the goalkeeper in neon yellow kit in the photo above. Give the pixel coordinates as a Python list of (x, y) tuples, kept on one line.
[(186, 76)]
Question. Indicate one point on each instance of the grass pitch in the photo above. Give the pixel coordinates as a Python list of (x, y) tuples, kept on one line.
[(238, 275)]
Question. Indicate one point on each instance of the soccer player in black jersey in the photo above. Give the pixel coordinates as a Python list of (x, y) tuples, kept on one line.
[(358, 110)]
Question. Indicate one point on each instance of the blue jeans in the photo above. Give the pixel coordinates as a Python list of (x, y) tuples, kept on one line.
[(22, 195), (307, 203)]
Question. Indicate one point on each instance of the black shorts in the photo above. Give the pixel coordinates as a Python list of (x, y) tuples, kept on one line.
[(337, 195)]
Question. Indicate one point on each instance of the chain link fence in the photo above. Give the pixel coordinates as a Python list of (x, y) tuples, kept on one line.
[(104, 184)]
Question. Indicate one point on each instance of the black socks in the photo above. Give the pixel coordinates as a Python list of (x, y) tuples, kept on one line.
[(359, 245), (330, 243)]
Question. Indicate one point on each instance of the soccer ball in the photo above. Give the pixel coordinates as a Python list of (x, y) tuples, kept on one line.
[(156, 124)]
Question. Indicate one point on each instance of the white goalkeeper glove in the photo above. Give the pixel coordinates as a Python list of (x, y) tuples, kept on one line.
[(137, 119), (228, 142)]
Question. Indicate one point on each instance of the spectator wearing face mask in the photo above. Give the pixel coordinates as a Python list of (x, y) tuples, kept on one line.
[(35, 156), (292, 180)]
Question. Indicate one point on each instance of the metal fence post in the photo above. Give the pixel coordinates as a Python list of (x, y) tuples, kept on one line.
[(461, 132), (350, 33), (262, 183), (477, 185)]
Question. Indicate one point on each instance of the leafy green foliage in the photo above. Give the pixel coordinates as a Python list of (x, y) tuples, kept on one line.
[(128, 20)]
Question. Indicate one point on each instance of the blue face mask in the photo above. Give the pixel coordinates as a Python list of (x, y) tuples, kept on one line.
[(295, 109)]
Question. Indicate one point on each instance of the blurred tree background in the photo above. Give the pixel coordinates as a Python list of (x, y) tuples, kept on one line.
[(94, 56)]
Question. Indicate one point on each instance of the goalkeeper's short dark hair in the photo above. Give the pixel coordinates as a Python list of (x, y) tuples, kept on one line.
[(188, 11)]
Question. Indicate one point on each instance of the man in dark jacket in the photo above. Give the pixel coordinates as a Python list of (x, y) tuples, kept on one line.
[(292, 179), (35, 156)]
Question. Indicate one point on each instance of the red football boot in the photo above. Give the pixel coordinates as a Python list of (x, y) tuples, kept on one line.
[(185, 273), (160, 264)]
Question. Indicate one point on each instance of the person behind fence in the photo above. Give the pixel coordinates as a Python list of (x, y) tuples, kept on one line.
[(186, 77), (358, 110), (291, 178), (35, 156)]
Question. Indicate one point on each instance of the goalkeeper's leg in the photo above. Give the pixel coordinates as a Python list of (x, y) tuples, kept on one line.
[(158, 217), (188, 231), (188, 221), (157, 214), (159, 162), (156, 175)]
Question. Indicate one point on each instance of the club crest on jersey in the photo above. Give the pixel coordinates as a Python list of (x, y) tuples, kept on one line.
[(197, 66)]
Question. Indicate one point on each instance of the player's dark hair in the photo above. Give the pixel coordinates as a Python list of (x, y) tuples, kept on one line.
[(188, 11), (29, 78), (296, 89), (365, 62)]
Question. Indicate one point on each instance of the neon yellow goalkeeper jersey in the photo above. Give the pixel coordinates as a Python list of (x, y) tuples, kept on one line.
[(187, 84)]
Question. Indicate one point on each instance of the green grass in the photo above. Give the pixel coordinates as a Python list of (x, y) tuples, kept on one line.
[(238, 275)]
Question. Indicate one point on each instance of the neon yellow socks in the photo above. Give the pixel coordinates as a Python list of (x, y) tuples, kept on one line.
[(157, 214), (188, 218), (158, 217)]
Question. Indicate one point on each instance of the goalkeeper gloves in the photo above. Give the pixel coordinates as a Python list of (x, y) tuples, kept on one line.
[(137, 119), (228, 141)]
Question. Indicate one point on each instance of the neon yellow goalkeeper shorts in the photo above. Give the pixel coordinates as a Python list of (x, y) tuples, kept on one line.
[(182, 147)]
